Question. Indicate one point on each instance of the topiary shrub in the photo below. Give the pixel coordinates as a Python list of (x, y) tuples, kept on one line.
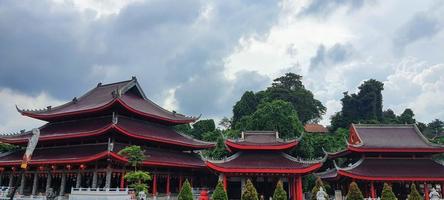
[(279, 192), (315, 189), (219, 193), (387, 193), (354, 193), (414, 194), (185, 192), (249, 192)]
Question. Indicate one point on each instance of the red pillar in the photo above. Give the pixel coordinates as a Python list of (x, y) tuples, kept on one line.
[(155, 185), (442, 189), (372, 190), (293, 188), (299, 192), (168, 185), (180, 182), (225, 182), (122, 180), (426, 191)]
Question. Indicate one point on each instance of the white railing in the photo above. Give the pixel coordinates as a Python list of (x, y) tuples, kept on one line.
[(101, 194)]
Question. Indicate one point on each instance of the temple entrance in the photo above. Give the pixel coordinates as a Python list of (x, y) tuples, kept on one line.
[(265, 187)]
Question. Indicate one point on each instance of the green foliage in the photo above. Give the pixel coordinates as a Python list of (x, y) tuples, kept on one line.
[(217, 152), (365, 106), (245, 106), (389, 117), (434, 128), (201, 127), (277, 115), (249, 191), (387, 193), (354, 193), (311, 145), (219, 193), (315, 190), (225, 123), (185, 192), (279, 192), (136, 176), (407, 117), (414, 194), (134, 154)]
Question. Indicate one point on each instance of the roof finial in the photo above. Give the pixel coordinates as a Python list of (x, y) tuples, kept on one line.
[(133, 78), (99, 84), (74, 100), (48, 107)]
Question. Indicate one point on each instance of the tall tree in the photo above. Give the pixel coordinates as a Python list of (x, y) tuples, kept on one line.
[(290, 88), (389, 117), (435, 127), (365, 106), (201, 127), (277, 115), (245, 106), (135, 156), (407, 117)]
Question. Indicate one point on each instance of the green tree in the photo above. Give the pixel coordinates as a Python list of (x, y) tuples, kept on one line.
[(277, 115), (244, 107), (354, 193), (387, 193), (290, 88), (219, 193), (365, 106), (185, 192), (249, 192), (407, 117), (137, 178), (389, 117), (316, 188), (414, 194), (7, 147), (225, 122), (201, 127), (435, 127), (217, 152), (279, 192)]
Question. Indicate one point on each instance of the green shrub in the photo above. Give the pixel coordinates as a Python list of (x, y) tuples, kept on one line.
[(219, 193), (185, 192), (279, 192), (414, 194), (387, 193), (354, 193), (249, 192)]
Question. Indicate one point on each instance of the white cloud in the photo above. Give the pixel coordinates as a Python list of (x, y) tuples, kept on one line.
[(11, 120)]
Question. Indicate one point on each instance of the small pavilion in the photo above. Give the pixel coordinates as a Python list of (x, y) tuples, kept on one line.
[(378, 154), (261, 157)]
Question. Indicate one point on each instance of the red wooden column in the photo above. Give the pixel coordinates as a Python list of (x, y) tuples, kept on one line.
[(299, 192), (294, 186), (225, 182), (426, 191), (372, 190), (155, 185), (168, 186), (122, 180), (442, 190), (180, 182)]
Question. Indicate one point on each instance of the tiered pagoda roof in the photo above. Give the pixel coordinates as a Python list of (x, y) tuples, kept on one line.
[(126, 95), (91, 127), (91, 152), (268, 156)]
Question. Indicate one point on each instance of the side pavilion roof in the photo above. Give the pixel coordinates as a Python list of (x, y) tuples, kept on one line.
[(260, 140), (389, 138), (264, 162), (394, 169)]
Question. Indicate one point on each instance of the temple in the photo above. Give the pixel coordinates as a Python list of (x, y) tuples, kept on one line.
[(78, 146), (377, 154), (261, 157)]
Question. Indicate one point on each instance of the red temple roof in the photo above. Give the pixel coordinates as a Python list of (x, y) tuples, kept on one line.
[(394, 169), (260, 140), (315, 128), (131, 127), (263, 162), (91, 152), (329, 174), (127, 94), (389, 138)]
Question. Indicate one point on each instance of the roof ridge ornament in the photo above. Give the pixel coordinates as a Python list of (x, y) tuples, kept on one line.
[(115, 118)]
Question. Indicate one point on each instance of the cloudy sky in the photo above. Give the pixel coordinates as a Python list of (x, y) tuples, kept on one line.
[(198, 57)]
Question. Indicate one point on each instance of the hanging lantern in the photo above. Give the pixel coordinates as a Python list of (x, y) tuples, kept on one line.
[(68, 167), (82, 166)]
